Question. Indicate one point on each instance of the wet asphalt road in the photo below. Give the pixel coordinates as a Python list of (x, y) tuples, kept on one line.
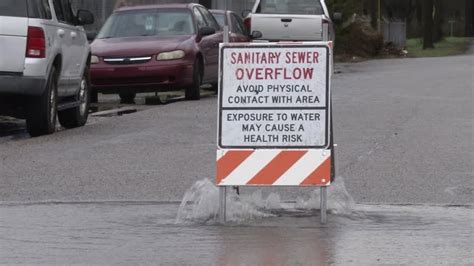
[(404, 129), (147, 234)]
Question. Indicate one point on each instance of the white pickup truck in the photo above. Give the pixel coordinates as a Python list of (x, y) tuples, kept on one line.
[(290, 20)]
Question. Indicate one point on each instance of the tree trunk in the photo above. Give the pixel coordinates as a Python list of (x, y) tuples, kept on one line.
[(373, 14), (469, 17), (427, 24), (438, 21)]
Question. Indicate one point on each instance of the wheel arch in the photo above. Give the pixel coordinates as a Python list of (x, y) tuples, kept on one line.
[(57, 63)]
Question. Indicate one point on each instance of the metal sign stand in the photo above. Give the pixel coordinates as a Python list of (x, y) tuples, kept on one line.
[(222, 204), (223, 199), (323, 204), (323, 189), (223, 190)]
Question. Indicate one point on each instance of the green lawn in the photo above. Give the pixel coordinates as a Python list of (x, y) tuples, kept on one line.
[(448, 46)]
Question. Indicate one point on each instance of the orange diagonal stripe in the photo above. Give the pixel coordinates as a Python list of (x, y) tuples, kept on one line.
[(227, 163), (317, 176), (277, 167)]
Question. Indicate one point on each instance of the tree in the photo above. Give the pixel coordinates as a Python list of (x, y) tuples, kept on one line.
[(347, 7), (438, 21), (427, 10), (469, 16), (373, 13)]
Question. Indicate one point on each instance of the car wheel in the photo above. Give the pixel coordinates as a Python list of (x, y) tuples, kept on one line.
[(77, 116), (215, 87), (41, 111), (193, 92), (127, 97), (94, 96)]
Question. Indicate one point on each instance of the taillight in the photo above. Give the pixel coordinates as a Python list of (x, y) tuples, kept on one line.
[(36, 43), (325, 21), (248, 23)]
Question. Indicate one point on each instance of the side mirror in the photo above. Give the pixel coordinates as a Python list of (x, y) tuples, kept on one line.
[(84, 17), (205, 31), (256, 34), (337, 16), (245, 13), (91, 35)]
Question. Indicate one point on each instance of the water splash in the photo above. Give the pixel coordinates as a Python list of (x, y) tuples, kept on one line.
[(201, 203), (339, 200), (244, 208)]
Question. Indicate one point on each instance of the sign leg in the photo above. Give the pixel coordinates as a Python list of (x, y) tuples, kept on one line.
[(323, 204), (222, 204)]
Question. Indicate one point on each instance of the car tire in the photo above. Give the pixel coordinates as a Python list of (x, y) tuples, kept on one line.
[(41, 111), (77, 116), (127, 97), (94, 96), (193, 92), (215, 88)]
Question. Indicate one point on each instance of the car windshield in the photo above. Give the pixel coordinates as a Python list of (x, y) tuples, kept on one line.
[(301, 7), (220, 19), (148, 23)]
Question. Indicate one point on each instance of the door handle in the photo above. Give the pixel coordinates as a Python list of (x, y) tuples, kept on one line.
[(61, 33), (286, 20)]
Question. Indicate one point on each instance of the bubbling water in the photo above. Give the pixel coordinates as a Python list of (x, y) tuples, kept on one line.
[(200, 203)]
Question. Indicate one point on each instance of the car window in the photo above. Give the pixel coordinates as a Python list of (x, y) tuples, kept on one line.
[(64, 11), (220, 19), (39, 9), (135, 23), (199, 18), (209, 18), (13, 8), (238, 25), (310, 7), (68, 14), (58, 9)]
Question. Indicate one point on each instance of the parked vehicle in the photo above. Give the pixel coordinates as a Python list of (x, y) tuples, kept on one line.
[(237, 30), (156, 48), (296, 20), (44, 63)]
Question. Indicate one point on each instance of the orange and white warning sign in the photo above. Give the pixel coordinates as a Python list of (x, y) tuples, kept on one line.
[(273, 167), (274, 114)]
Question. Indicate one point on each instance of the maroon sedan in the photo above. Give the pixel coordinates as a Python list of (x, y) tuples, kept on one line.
[(237, 30), (156, 48)]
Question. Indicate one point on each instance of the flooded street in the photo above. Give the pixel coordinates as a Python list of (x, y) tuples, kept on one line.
[(138, 189), (148, 233), (260, 230)]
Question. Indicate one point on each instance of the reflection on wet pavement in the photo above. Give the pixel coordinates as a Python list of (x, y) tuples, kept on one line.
[(147, 233)]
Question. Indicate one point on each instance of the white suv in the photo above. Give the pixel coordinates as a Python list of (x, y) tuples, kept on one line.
[(44, 63)]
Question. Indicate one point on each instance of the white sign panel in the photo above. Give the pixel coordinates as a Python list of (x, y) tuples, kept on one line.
[(274, 96)]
